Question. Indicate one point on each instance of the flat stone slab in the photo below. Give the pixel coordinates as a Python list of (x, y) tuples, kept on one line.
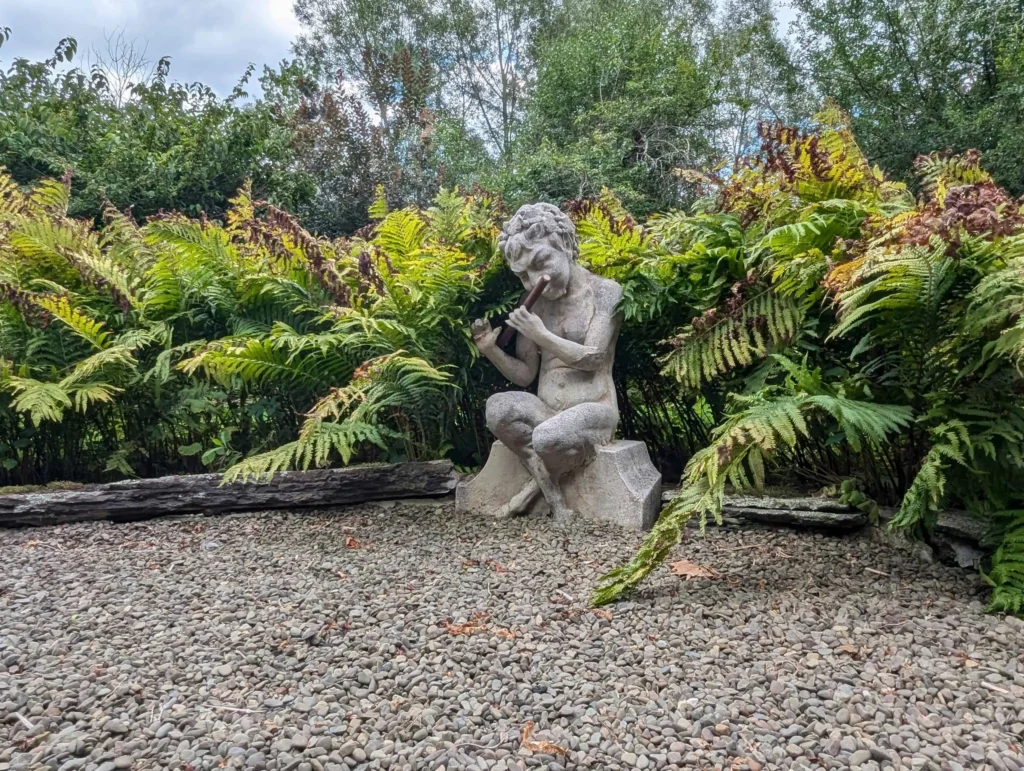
[(814, 513), (819, 513), (620, 485)]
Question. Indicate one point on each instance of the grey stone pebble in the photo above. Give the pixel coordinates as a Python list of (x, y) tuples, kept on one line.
[(431, 640)]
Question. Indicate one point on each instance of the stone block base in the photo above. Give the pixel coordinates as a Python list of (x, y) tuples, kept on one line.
[(620, 485)]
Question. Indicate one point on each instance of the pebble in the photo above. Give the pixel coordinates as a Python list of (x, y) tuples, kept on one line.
[(406, 637)]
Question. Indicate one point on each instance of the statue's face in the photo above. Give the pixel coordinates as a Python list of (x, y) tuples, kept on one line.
[(530, 260)]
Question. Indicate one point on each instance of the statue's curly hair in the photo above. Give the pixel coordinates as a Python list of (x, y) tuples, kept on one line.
[(540, 220)]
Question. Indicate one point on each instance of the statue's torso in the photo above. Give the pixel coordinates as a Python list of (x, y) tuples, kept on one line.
[(560, 386)]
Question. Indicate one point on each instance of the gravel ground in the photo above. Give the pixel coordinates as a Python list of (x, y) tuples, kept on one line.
[(405, 637)]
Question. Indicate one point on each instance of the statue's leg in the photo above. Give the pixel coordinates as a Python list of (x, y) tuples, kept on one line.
[(520, 502), (512, 416), (568, 440)]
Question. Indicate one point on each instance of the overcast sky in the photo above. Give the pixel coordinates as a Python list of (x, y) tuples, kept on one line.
[(211, 41), (208, 40)]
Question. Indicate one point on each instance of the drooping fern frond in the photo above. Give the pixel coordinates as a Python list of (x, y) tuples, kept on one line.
[(79, 322), (951, 444), (254, 360), (894, 289), (42, 401), (997, 304), (385, 396), (1006, 574), (50, 197), (716, 344), (86, 394), (118, 357), (863, 423), (758, 429)]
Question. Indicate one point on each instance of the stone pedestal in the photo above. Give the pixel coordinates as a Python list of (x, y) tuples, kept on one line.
[(620, 485)]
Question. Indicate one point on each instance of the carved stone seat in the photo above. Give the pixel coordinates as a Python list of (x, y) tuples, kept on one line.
[(620, 486)]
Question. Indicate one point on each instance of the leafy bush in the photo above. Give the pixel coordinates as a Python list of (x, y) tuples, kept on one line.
[(141, 140), (869, 337)]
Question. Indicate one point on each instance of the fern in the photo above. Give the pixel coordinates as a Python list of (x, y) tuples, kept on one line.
[(759, 429), (951, 444), (720, 344), (89, 329), (42, 401), (1006, 573), (400, 235), (381, 390)]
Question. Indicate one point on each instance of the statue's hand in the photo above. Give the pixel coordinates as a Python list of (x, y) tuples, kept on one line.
[(528, 324), (486, 339)]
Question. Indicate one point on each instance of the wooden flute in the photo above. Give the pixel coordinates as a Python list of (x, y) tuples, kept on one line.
[(528, 302)]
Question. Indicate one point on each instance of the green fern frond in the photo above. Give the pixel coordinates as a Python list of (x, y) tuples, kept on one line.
[(350, 417), (86, 394), (379, 208), (400, 235), (758, 428), (763, 323), (737, 453), (114, 358), (864, 422), (89, 329), (1006, 574), (891, 288), (50, 197), (42, 401), (951, 444)]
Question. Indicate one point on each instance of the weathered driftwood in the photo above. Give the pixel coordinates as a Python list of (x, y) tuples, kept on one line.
[(139, 499)]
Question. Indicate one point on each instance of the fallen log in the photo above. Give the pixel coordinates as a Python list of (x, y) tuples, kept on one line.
[(139, 499)]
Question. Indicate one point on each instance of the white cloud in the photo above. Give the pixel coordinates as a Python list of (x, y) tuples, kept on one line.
[(208, 40)]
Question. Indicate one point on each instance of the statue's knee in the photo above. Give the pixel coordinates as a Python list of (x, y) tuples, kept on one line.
[(497, 411), (549, 441)]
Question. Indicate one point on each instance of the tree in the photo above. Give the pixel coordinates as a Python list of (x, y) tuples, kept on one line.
[(492, 43), (338, 143), (755, 78), (622, 98), (482, 52), (923, 75)]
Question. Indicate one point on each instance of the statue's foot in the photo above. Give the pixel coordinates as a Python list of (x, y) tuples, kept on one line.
[(562, 515), (520, 501)]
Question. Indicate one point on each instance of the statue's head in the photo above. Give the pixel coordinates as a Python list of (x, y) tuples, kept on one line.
[(540, 240)]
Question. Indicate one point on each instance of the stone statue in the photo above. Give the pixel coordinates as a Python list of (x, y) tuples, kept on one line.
[(569, 340)]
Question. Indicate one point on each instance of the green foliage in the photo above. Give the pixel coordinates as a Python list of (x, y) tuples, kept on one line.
[(1007, 571), (866, 341), (714, 346), (756, 431), (922, 75), (185, 344), (359, 142), (137, 139)]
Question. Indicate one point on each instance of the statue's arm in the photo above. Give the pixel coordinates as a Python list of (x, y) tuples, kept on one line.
[(593, 353), (520, 369)]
